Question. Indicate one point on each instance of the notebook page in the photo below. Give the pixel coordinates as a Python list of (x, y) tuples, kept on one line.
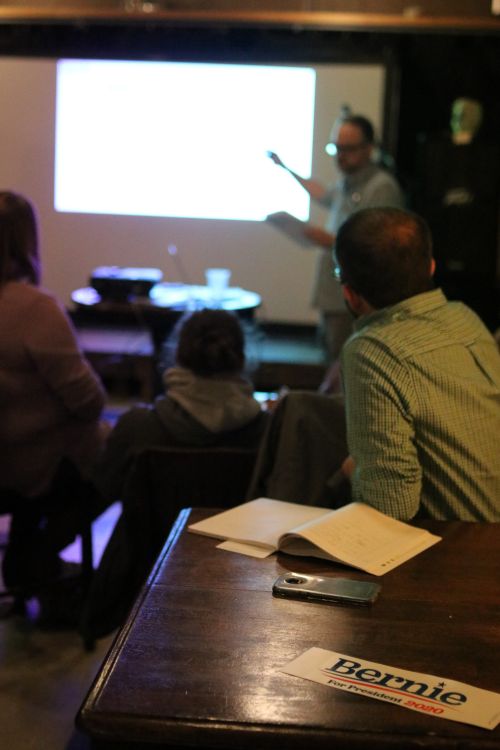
[(260, 521), (365, 538)]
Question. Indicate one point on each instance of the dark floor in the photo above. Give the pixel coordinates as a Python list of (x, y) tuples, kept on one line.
[(45, 675)]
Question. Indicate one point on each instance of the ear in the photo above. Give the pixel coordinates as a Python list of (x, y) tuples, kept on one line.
[(348, 294), (433, 266), (355, 302)]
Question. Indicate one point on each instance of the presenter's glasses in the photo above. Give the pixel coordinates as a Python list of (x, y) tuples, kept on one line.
[(332, 149)]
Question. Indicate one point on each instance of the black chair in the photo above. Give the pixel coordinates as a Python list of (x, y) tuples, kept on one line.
[(174, 478), (162, 481), (302, 451), (41, 526)]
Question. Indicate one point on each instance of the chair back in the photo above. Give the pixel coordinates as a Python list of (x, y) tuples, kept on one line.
[(302, 451), (169, 479), (161, 483)]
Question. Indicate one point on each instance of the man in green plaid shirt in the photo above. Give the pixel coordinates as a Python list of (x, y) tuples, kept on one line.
[(421, 378)]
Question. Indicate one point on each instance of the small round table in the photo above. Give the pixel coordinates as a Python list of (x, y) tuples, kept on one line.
[(165, 298)]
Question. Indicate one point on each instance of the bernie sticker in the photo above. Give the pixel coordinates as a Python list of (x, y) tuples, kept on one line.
[(425, 693)]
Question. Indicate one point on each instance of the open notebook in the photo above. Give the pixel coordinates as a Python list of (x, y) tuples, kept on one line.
[(355, 535)]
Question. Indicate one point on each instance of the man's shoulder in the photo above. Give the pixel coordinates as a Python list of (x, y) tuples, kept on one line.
[(28, 296), (380, 335), (372, 345), (382, 178), (382, 188), (405, 334)]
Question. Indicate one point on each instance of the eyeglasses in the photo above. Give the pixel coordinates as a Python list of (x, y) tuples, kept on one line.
[(337, 274), (336, 148)]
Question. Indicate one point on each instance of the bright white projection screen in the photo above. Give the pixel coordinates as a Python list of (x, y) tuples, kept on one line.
[(185, 140), (121, 158)]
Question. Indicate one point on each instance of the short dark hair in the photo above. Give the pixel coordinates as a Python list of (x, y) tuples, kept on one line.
[(19, 256), (211, 342), (385, 255), (363, 124)]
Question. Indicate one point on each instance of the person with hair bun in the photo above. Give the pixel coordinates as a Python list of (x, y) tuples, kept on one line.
[(208, 400)]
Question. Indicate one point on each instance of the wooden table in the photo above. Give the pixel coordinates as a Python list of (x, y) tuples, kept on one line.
[(196, 664)]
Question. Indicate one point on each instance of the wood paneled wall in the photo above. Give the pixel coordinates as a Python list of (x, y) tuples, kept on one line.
[(396, 15)]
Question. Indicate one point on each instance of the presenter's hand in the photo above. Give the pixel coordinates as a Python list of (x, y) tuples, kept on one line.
[(319, 236), (276, 159)]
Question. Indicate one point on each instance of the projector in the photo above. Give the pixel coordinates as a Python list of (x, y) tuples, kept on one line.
[(119, 284)]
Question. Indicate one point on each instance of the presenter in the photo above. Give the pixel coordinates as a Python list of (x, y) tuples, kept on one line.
[(362, 184)]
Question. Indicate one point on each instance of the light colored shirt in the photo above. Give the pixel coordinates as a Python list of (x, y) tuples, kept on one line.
[(370, 187), (422, 386)]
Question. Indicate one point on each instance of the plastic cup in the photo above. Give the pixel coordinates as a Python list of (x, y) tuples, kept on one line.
[(217, 282)]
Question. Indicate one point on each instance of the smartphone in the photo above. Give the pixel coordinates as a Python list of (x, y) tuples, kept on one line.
[(329, 590)]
